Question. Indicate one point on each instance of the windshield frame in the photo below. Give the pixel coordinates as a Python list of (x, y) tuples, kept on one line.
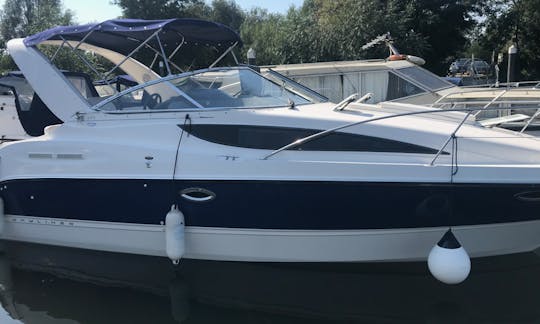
[(298, 91)]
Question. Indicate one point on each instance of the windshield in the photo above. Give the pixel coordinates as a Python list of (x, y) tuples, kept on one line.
[(215, 88), (427, 79)]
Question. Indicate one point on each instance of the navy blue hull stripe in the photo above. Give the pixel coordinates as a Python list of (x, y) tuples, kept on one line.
[(274, 204)]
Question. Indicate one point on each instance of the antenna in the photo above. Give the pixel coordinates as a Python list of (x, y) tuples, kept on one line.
[(386, 38)]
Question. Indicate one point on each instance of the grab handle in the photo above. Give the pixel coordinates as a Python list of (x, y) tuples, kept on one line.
[(529, 196), (197, 194)]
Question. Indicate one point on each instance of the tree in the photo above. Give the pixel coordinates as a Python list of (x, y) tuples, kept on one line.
[(515, 21), (433, 29), (162, 9), (26, 17), (323, 30), (227, 12), (265, 33)]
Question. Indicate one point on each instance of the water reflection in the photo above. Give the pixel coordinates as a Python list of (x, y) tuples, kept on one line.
[(60, 285)]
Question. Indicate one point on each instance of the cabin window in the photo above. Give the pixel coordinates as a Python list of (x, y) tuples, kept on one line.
[(427, 79), (273, 138), (338, 86), (399, 87), (5, 91)]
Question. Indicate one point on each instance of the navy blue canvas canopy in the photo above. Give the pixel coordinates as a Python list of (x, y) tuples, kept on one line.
[(124, 35)]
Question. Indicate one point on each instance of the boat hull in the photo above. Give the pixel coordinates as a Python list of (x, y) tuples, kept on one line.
[(206, 243), (283, 221), (273, 204)]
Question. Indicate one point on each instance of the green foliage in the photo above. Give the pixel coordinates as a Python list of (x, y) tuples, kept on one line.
[(323, 30), (162, 9), (26, 17), (265, 33), (515, 22), (66, 59), (226, 12), (319, 30), (6, 63)]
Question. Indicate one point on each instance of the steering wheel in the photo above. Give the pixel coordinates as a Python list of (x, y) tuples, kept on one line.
[(150, 101)]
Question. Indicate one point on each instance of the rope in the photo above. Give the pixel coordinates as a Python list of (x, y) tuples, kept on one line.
[(454, 166), (187, 120)]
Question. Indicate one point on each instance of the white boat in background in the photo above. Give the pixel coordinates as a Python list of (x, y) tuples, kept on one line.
[(263, 169), (400, 78), (10, 126), (515, 107), (23, 114), (386, 79)]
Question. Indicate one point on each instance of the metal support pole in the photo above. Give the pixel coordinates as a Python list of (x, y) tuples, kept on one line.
[(57, 50), (165, 60), (223, 55), (132, 52), (512, 73)]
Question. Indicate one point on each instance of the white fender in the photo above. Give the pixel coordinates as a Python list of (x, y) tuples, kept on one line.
[(448, 261), (175, 234)]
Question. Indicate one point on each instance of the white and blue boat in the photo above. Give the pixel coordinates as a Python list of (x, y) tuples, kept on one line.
[(262, 169)]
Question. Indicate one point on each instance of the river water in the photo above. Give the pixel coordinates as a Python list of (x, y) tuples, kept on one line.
[(43, 285)]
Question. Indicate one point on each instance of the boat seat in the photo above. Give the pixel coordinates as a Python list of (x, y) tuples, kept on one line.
[(212, 98)]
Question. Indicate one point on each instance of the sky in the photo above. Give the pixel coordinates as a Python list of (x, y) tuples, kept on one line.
[(99, 10)]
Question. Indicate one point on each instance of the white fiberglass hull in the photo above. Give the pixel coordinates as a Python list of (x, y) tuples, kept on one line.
[(275, 245)]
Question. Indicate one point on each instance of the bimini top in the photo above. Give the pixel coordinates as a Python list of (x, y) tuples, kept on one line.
[(125, 35)]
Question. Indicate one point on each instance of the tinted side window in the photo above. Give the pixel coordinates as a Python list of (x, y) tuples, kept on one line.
[(272, 138)]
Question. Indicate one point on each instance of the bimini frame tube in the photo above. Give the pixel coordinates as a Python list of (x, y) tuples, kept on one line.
[(132, 52), (158, 54), (57, 50), (165, 60), (64, 41), (85, 61), (177, 48), (174, 53), (223, 55)]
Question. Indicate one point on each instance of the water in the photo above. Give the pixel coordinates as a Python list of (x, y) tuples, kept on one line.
[(44, 285)]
